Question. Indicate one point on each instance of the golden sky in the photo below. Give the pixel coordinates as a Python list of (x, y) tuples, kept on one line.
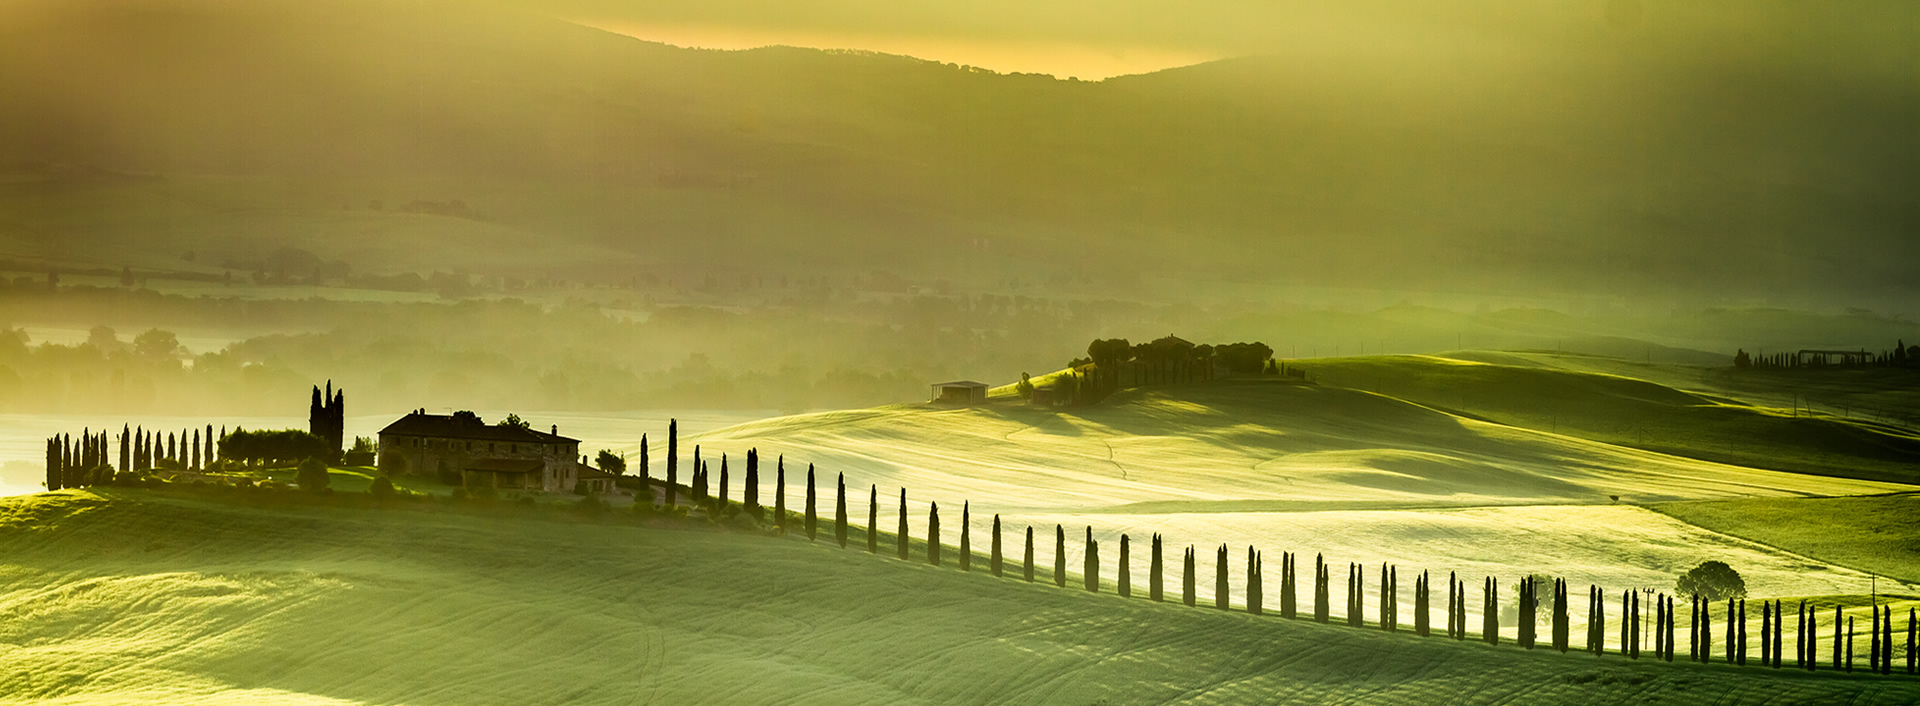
[(1062, 59)]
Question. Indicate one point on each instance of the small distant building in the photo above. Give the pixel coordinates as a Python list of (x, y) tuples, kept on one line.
[(505, 457), (961, 392), (593, 481)]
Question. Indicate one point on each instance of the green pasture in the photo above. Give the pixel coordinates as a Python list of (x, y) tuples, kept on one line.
[(119, 596)]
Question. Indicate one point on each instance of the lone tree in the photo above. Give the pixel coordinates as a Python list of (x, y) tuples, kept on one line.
[(1713, 581), (839, 509)]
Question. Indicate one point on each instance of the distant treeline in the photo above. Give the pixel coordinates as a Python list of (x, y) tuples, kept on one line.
[(1900, 356), (1114, 364), (506, 353)]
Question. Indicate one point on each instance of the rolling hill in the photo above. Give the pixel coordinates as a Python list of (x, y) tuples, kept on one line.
[(125, 596), (1577, 162)]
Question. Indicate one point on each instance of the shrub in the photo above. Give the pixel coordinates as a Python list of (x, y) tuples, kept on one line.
[(1711, 580), (312, 475), (590, 505), (382, 488)]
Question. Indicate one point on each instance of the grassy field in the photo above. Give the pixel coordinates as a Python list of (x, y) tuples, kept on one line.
[(1717, 417), (120, 596), (1874, 533), (1295, 467)]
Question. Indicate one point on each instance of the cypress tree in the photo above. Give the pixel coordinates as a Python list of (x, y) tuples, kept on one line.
[(126, 450), (873, 519), (172, 448), (1670, 630), (1913, 656), (1155, 576), (699, 483), (196, 449), (645, 469), (1849, 644), (1461, 610), (53, 465), (1630, 630), (1490, 620), (812, 519), (1659, 626), (1800, 637), (1186, 579), (750, 495), (721, 506), (1420, 607), (1254, 579), (1288, 593), (839, 508), (1123, 578), (1766, 632), (1706, 630), (1091, 563), (1060, 556), (1779, 628), (1028, 560), (673, 462), (1453, 615), (1560, 628), (1740, 657), (1321, 595), (933, 534), (1356, 602), (1693, 630), (210, 456), (901, 536), (1390, 598), (994, 561), (1840, 633), (966, 541), (779, 488), (1527, 615), (1886, 642), (1220, 587)]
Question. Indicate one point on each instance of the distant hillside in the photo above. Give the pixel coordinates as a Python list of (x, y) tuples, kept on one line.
[(1578, 163), (132, 597)]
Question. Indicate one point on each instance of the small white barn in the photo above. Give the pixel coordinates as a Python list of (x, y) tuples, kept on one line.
[(960, 392)]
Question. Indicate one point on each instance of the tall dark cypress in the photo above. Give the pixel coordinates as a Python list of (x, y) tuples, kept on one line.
[(811, 520), (126, 449), (1561, 630), (1389, 597), (721, 505), (873, 519), (1420, 607), (1186, 579), (1254, 581), (673, 462), (1670, 631), (966, 535), (750, 494), (1060, 555), (1706, 631), (1220, 587), (994, 561), (839, 508), (1913, 631), (1800, 637), (1740, 650), (1321, 595), (933, 534), (1490, 615), (1733, 634), (1090, 563), (1123, 574), (1356, 595), (1289, 597), (1840, 635), (1766, 633), (1155, 575), (53, 465), (1527, 615), (1027, 562), (901, 536), (1453, 616), (1849, 660), (645, 453), (779, 491)]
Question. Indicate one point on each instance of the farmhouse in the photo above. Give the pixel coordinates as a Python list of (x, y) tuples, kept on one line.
[(498, 455), (960, 392)]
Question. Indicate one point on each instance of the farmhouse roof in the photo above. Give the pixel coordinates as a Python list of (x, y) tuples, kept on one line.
[(444, 426), (507, 465), (960, 383), (591, 473)]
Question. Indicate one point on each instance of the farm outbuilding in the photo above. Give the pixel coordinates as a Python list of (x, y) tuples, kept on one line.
[(959, 392)]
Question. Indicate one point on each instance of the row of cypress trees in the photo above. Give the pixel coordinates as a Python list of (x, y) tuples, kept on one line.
[(1660, 635), (88, 460)]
